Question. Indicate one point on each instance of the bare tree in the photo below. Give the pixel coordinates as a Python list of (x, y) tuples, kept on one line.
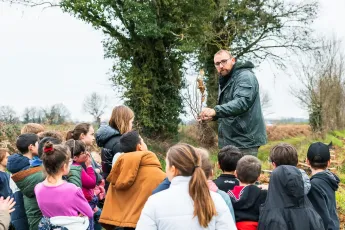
[(33, 114), (56, 114), (8, 115), (95, 105), (35, 3), (322, 91), (265, 101), (194, 96)]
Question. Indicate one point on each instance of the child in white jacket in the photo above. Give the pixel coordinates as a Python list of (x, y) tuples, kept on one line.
[(188, 203)]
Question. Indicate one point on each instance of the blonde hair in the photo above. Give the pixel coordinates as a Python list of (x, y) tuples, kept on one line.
[(120, 118), (97, 157), (32, 128)]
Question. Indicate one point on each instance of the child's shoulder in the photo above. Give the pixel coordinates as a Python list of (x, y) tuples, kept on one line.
[(324, 180), (4, 176), (17, 162), (65, 186)]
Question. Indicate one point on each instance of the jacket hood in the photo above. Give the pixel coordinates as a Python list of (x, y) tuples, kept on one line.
[(125, 171), (212, 186), (17, 162), (104, 134), (243, 65), (70, 222), (36, 161), (329, 178), (246, 197), (286, 188)]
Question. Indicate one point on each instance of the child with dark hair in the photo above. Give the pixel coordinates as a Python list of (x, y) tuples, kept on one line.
[(85, 132), (52, 134), (74, 172), (228, 157), (43, 141), (130, 142), (286, 154), (26, 176), (65, 209), (27, 144), (79, 156), (324, 184), (88, 178), (247, 198)]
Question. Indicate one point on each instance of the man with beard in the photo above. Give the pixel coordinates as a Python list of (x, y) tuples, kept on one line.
[(238, 110)]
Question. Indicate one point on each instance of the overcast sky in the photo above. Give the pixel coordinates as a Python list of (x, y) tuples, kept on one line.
[(49, 57)]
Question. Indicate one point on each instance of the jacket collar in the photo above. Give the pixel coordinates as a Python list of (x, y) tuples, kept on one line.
[(227, 175), (229, 82), (178, 180), (25, 173)]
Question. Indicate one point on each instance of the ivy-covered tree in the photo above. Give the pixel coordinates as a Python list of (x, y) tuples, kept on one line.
[(147, 40)]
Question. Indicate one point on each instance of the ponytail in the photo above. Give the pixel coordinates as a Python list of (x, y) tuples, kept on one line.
[(81, 128), (204, 207), (69, 135), (188, 161)]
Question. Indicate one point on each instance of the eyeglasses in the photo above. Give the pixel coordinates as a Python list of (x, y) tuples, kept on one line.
[(223, 62)]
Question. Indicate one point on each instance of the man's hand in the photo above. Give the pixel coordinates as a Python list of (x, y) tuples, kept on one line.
[(207, 114), (7, 204)]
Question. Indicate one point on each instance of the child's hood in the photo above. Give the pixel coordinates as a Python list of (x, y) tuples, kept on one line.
[(125, 171), (286, 188), (36, 161), (17, 162), (331, 179), (306, 181)]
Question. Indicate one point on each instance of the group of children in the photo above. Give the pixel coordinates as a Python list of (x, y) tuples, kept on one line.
[(51, 184)]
